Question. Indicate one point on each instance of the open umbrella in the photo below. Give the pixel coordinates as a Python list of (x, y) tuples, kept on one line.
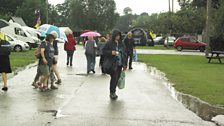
[(91, 33), (47, 29)]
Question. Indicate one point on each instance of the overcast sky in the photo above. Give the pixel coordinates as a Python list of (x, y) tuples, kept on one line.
[(138, 6)]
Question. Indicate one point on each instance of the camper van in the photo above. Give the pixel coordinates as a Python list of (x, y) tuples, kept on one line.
[(16, 31)]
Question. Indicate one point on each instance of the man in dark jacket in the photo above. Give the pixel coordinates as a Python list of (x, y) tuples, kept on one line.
[(115, 60), (129, 43)]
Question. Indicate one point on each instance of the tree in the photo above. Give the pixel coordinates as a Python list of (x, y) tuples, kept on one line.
[(27, 11), (127, 10), (10, 6), (93, 14)]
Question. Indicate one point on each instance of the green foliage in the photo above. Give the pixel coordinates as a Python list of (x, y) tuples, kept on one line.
[(9, 7), (93, 14), (191, 75), (27, 11), (125, 22)]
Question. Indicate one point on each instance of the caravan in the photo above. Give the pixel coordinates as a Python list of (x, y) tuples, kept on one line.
[(18, 32)]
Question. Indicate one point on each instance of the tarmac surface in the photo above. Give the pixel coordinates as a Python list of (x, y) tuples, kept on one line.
[(84, 100)]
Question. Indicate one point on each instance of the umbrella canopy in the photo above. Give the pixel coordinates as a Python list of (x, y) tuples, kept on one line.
[(86, 34), (47, 29), (3, 23)]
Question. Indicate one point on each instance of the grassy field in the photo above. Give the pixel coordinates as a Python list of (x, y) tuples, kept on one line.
[(156, 47), (191, 75), (21, 59)]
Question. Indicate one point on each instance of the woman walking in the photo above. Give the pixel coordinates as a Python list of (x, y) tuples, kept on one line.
[(90, 53), (69, 47), (100, 47), (4, 60), (46, 60), (115, 59)]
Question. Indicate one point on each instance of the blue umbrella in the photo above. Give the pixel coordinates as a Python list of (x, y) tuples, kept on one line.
[(47, 29)]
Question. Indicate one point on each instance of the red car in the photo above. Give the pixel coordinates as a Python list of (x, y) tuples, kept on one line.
[(189, 43)]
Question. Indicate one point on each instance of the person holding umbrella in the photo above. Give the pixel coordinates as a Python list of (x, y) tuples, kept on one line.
[(90, 52)]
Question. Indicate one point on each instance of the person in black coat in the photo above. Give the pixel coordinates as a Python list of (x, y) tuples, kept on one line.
[(5, 66), (114, 60), (129, 43)]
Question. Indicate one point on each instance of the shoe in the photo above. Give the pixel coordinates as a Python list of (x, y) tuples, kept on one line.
[(58, 82), (70, 64), (53, 87), (44, 88), (130, 68), (35, 85), (93, 71), (88, 72), (67, 63), (5, 88), (113, 96)]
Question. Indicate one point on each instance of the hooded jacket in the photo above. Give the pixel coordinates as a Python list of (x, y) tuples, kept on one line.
[(110, 60), (70, 45)]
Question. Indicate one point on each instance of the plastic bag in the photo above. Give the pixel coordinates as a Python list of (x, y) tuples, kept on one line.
[(121, 81)]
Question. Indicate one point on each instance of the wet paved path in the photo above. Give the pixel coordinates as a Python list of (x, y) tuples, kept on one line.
[(84, 100)]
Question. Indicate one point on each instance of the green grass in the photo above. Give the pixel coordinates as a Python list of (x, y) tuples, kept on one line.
[(156, 47), (191, 75), (21, 59)]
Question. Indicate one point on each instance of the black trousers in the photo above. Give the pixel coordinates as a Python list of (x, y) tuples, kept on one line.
[(70, 56), (114, 79), (130, 56)]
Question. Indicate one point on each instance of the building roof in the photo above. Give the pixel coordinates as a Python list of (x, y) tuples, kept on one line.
[(18, 20)]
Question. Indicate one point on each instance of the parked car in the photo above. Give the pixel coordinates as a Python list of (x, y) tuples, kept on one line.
[(159, 40), (189, 43), (169, 41), (17, 45), (18, 32)]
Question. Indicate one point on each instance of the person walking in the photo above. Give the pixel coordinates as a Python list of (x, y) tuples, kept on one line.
[(69, 47), (90, 53), (100, 47), (46, 60), (5, 66), (115, 55), (129, 43), (54, 70)]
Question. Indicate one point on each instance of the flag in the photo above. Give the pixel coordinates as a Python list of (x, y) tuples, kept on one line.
[(38, 22)]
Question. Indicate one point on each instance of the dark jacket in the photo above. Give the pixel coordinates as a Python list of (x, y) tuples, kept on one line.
[(110, 60), (55, 45), (129, 43), (5, 47), (70, 45)]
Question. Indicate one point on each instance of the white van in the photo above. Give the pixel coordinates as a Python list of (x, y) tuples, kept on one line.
[(16, 31)]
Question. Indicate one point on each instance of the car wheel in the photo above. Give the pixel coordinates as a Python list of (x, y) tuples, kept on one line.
[(202, 49), (18, 48), (179, 48)]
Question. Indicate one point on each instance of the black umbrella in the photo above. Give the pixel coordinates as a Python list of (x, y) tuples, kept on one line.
[(3, 23)]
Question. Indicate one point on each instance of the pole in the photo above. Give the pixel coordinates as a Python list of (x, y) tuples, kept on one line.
[(47, 11), (169, 5), (172, 5), (208, 24)]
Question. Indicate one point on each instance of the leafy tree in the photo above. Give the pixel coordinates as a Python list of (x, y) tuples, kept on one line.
[(127, 10), (27, 11), (10, 6), (93, 14)]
